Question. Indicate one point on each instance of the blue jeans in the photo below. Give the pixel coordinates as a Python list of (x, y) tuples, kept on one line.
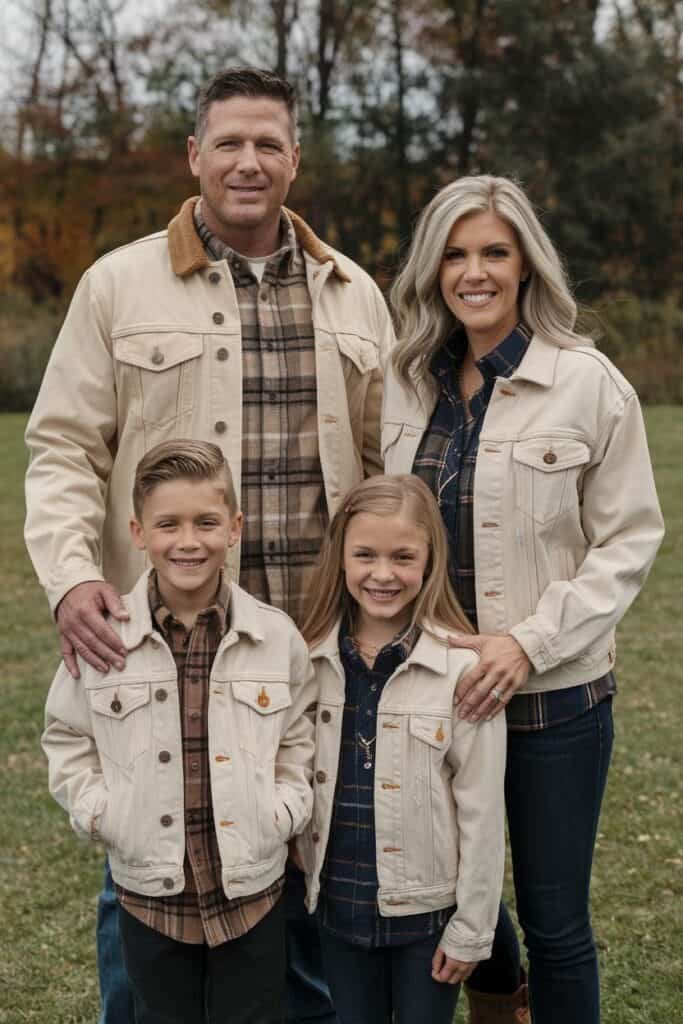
[(308, 997), (369, 985), (115, 993), (554, 784)]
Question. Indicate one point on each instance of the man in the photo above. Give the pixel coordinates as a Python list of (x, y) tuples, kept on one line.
[(236, 325)]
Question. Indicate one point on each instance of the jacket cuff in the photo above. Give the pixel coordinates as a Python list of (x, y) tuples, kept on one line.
[(535, 639), (472, 951), (57, 587)]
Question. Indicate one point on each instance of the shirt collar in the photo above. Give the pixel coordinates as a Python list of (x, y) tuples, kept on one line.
[(501, 361), (164, 618), (216, 249), (402, 644)]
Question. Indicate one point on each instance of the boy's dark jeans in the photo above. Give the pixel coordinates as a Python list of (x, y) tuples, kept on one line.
[(238, 982)]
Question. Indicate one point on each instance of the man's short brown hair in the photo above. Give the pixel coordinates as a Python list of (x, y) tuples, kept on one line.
[(182, 459), (245, 81)]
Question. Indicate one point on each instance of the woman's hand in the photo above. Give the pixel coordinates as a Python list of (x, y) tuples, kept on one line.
[(503, 668), (445, 969)]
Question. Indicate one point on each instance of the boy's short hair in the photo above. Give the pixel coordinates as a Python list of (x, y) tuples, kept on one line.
[(182, 459), (251, 82)]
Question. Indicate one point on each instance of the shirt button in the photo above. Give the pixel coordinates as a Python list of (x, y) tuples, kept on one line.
[(194, 715), (369, 714), (325, 715), (218, 318), (214, 277), (263, 295), (167, 883), (166, 820), (161, 695), (550, 458), (220, 426), (373, 687), (270, 346), (116, 706), (320, 777), (164, 756), (222, 354), (195, 766), (272, 396)]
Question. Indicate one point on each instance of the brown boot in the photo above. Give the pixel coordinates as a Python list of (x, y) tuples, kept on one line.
[(512, 1008)]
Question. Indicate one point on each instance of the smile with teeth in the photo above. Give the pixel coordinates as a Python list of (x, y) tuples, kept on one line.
[(382, 595), (188, 563), (476, 298)]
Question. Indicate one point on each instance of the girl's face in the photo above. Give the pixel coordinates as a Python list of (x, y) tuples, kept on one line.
[(385, 558)]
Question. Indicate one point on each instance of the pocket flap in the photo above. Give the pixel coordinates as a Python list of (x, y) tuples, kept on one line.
[(551, 454), (263, 697), (157, 351), (431, 729), (363, 354), (119, 701)]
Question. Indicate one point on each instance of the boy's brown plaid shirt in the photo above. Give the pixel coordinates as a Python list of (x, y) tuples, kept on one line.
[(202, 912)]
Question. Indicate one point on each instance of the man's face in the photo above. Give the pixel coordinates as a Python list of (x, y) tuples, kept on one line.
[(245, 161)]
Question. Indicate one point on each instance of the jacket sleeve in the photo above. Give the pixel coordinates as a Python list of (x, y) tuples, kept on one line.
[(75, 773), (70, 436), (477, 755), (294, 760), (623, 525)]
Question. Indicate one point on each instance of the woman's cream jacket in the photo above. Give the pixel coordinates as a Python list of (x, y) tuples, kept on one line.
[(439, 807), (104, 735), (566, 517)]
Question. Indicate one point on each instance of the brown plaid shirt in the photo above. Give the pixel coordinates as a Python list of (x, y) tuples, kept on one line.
[(282, 498), (202, 912)]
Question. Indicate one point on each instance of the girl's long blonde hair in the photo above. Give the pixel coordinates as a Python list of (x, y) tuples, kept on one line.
[(424, 321), (403, 495)]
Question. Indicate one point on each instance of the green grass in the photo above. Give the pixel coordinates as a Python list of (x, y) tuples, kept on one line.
[(49, 880)]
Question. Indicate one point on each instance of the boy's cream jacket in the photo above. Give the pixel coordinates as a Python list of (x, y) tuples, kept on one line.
[(439, 806), (566, 517), (150, 350), (104, 734)]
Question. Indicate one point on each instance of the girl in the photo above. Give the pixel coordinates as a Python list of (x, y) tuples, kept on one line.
[(404, 854)]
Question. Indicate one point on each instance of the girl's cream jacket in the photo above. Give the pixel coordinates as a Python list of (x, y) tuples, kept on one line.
[(104, 735), (439, 806)]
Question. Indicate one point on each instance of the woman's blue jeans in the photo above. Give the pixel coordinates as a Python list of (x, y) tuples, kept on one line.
[(554, 785)]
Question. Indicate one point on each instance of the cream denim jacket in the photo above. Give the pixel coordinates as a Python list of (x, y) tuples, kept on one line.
[(141, 358), (104, 734), (566, 517), (439, 807)]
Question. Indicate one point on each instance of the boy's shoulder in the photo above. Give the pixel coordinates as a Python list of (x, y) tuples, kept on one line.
[(253, 615)]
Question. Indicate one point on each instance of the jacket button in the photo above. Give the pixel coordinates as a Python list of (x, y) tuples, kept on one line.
[(167, 883), (214, 277), (550, 458), (164, 756), (320, 777), (222, 354), (157, 356), (316, 837), (218, 318), (220, 426), (166, 820), (116, 705), (161, 695), (325, 715)]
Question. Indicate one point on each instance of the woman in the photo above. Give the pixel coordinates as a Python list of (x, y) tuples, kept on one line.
[(534, 446)]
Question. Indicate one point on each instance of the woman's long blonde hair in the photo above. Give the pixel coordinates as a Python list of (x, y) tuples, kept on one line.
[(423, 319), (403, 495)]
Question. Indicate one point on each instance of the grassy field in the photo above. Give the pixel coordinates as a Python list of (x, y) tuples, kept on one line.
[(49, 880)]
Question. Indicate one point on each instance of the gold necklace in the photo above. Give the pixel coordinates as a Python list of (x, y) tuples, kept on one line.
[(366, 649)]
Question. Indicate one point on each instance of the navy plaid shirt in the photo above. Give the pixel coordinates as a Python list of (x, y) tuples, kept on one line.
[(348, 881), (446, 461)]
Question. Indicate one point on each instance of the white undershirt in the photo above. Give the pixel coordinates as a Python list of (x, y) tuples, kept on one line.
[(257, 265)]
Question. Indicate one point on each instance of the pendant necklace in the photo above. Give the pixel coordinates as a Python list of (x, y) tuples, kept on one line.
[(367, 747)]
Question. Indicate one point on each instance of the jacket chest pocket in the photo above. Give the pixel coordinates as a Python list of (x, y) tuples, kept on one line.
[(122, 721), (546, 476), (260, 712), (429, 737), (159, 369)]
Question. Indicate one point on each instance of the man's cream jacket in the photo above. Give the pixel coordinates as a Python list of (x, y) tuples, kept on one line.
[(104, 734), (151, 350), (566, 517), (438, 797)]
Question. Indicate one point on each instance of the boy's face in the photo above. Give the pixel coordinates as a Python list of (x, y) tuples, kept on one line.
[(186, 529)]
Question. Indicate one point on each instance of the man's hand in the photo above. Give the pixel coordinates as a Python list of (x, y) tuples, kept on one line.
[(83, 627), (444, 968), (503, 668)]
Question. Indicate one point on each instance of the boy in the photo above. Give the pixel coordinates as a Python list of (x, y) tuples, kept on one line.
[(193, 764)]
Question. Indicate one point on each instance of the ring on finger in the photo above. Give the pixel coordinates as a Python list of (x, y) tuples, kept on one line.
[(497, 694)]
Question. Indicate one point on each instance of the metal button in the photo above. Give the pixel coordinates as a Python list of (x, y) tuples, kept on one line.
[(161, 695), (325, 715), (194, 715), (194, 766), (164, 756), (214, 277), (116, 705), (157, 356), (220, 426), (550, 458), (316, 837), (167, 883), (218, 318), (320, 777), (222, 354), (166, 820)]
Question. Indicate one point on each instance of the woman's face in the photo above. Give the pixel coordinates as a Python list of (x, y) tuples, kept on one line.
[(481, 269)]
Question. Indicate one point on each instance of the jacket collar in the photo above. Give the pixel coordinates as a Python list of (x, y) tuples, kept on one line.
[(188, 254), (538, 363), (244, 612), (430, 651)]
